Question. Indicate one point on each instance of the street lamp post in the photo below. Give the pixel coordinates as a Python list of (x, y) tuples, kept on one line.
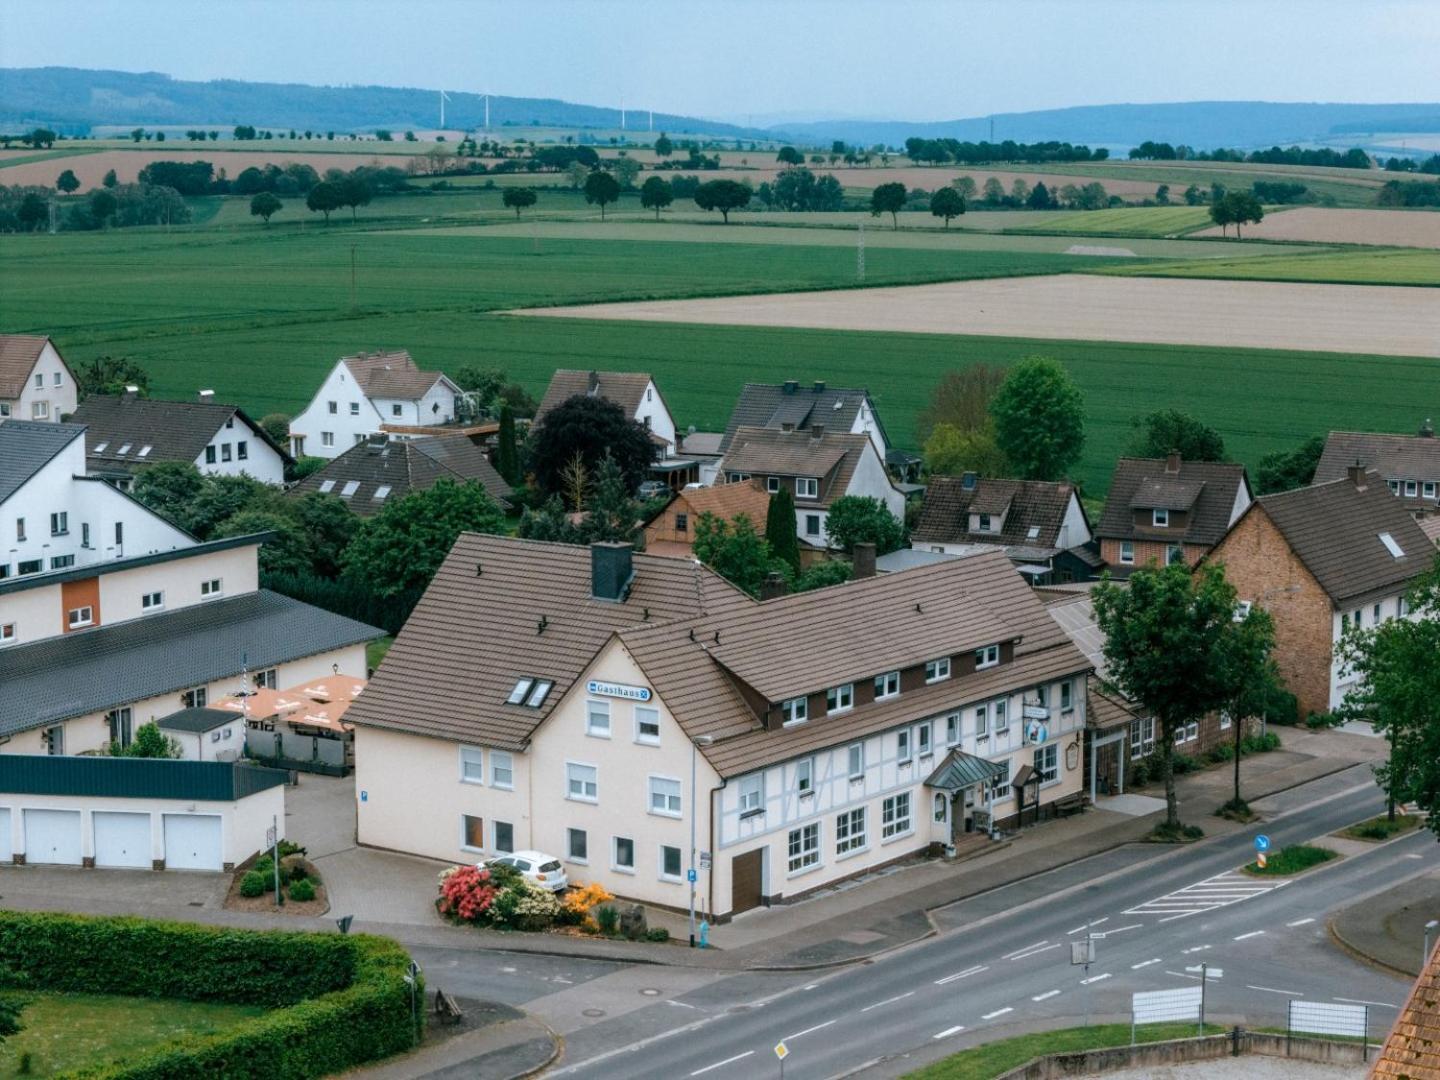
[(699, 741)]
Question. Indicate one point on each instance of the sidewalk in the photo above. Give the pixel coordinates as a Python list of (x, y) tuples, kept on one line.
[(495, 1042), (1388, 928)]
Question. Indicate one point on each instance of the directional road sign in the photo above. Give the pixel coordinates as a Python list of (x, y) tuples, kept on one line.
[(1262, 842)]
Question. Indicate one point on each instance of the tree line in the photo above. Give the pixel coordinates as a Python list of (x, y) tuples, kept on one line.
[(981, 153), (1354, 158)]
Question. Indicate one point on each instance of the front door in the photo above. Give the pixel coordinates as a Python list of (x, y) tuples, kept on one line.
[(746, 881)]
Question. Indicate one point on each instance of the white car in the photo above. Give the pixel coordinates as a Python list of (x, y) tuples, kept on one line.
[(535, 867)]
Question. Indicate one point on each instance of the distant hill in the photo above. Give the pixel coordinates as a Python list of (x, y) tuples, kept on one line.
[(1201, 124), (73, 100)]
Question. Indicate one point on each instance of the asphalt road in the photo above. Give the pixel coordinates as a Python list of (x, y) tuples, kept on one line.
[(1000, 966)]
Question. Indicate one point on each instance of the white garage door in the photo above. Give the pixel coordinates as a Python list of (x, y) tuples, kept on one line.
[(192, 842), (52, 836), (122, 839), (7, 849)]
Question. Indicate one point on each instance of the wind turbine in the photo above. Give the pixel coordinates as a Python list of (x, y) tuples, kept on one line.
[(444, 97)]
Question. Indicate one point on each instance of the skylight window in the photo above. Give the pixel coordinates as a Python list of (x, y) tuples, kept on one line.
[(1391, 546), (144, 451), (327, 486), (125, 449), (382, 492), (100, 448), (351, 486), (538, 695), (1033, 533), (522, 687)]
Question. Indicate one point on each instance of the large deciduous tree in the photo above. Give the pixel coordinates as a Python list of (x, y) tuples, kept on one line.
[(722, 195), (888, 199), (518, 198), (68, 182), (264, 205), (325, 198), (734, 550), (1285, 470), (1250, 680), (106, 374), (947, 203), (601, 189), (590, 427), (1160, 432), (655, 194), (863, 519), (1039, 417), (962, 398)]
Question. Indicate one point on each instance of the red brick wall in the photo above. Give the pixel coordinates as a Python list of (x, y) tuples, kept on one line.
[(1149, 551)]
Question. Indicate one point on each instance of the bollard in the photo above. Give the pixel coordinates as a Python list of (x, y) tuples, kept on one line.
[(704, 934), (1235, 1041)]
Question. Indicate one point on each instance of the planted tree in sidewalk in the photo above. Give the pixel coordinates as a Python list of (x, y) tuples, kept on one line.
[(1250, 678), (1163, 633), (1397, 690)]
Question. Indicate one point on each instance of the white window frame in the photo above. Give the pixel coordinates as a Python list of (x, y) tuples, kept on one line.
[(813, 525), (472, 756), (1045, 762), (1067, 696), (887, 686), (615, 863), (495, 836), (652, 717), (327, 438), (9, 634), (854, 753), (982, 721), (572, 780), (1000, 782), (802, 849), (212, 588), (807, 487), (850, 835), (953, 728), (897, 816), (987, 657), (1160, 518), (1411, 489), (751, 794), (1127, 552), (924, 740), (805, 777), (679, 876), (937, 670), (502, 761), (772, 485), (795, 710), (904, 747), (152, 601), (1189, 733), (1429, 489), (1000, 711), (1142, 736), (86, 613), (464, 832), (570, 856), (1225, 722), (593, 709), (672, 802), (840, 698)]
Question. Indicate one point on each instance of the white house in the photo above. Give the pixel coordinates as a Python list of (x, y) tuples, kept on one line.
[(365, 394), (617, 705), (839, 409), (635, 392), (126, 433), (817, 465), (35, 381)]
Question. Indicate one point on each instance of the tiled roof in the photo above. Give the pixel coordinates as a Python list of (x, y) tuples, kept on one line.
[(93, 670), (1209, 509), (26, 447), (1029, 504), (1335, 529), (1104, 710), (832, 457), (1075, 614), (1412, 1052), (501, 609), (403, 466), (624, 388), (729, 501), (769, 405), (171, 430), (18, 353), (1395, 457), (390, 375)]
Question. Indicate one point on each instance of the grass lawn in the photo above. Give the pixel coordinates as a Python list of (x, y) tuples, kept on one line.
[(1381, 828), (1132, 221), (1384, 266), (62, 1032), (992, 1059), (1294, 859)]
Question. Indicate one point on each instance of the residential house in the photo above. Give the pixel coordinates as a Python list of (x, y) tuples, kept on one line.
[(1320, 559), (615, 700), (35, 381), (1162, 511), (817, 465), (369, 393), (205, 734), (1410, 464), (125, 433), (672, 530), (1040, 525), (635, 392), (382, 468), (53, 517), (773, 406)]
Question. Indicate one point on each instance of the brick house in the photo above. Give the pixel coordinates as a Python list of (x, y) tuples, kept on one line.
[(1164, 511), (1320, 559), (672, 530), (1410, 464)]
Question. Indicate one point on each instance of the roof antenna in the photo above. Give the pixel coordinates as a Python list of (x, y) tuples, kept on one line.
[(544, 622)]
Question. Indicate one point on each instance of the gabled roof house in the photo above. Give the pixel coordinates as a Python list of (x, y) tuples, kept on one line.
[(1410, 464), (384, 468), (35, 381), (1161, 511), (838, 409)]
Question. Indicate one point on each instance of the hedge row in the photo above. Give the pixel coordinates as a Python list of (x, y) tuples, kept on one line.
[(344, 1000)]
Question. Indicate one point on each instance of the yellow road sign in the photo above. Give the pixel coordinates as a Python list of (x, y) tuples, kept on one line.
[(781, 1050)]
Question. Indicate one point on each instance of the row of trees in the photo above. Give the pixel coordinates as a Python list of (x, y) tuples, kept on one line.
[(27, 208), (982, 153), (1354, 158), (1409, 193)]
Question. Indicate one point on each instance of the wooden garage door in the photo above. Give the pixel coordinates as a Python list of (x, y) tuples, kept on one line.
[(746, 881)]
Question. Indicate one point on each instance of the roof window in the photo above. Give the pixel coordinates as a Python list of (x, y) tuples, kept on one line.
[(382, 492), (144, 451), (351, 486), (522, 688), (125, 449), (1033, 533), (1391, 546), (539, 694), (100, 448), (327, 486)]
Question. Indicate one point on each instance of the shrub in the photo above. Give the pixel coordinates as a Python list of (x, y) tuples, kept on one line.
[(580, 902), (1293, 859), (1221, 752), (607, 919), (1260, 744), (467, 893), (536, 907), (1184, 763), (1139, 772), (289, 847), (1318, 721), (302, 890), (657, 933), (253, 884)]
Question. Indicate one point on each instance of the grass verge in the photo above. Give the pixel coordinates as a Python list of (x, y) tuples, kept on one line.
[(1381, 828), (1294, 859), (992, 1059)]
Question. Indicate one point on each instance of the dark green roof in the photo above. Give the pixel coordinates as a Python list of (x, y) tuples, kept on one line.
[(960, 770), (197, 721), (133, 778)]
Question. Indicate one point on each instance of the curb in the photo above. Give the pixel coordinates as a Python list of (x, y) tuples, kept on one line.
[(1363, 957), (557, 1047)]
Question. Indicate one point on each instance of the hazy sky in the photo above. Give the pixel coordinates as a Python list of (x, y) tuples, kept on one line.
[(904, 59)]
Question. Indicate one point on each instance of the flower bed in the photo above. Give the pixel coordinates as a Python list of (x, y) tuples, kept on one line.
[(500, 898)]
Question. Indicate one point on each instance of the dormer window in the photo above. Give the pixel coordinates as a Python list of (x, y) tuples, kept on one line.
[(795, 710), (984, 523), (840, 698), (1411, 488), (989, 656), (937, 670), (1160, 518), (1429, 489), (807, 487), (887, 685), (1394, 487)]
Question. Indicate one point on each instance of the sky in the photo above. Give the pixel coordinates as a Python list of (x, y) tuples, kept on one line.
[(766, 61)]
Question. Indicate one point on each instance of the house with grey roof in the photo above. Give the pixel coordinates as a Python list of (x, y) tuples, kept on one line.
[(635, 392), (369, 393), (125, 433), (1410, 464), (837, 409), (382, 468), (35, 381), (1321, 559)]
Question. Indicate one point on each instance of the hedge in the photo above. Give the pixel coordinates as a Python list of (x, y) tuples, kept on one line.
[(337, 1001)]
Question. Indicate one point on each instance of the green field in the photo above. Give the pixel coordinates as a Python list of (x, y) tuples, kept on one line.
[(1125, 221), (1372, 266)]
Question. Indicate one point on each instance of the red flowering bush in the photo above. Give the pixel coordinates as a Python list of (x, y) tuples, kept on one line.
[(467, 893)]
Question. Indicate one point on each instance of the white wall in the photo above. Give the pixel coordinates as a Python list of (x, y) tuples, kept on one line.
[(225, 743), (869, 479), (1073, 530), (1342, 679), (652, 407), (57, 398), (261, 462), (866, 423), (341, 389)]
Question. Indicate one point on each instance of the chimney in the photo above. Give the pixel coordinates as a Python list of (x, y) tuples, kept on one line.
[(131, 391), (611, 571), (819, 386), (787, 426), (1427, 429), (1172, 462), (592, 386), (1356, 473), (773, 586), (817, 431), (862, 558), (791, 385), (207, 397)]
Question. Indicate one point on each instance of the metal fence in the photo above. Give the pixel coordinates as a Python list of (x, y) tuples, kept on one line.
[(1299, 1022), (1326, 1018), (1178, 1006), (306, 752)]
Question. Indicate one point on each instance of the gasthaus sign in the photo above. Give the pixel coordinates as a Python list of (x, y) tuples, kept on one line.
[(618, 690)]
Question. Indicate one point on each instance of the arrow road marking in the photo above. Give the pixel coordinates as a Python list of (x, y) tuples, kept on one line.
[(948, 1032), (727, 1061)]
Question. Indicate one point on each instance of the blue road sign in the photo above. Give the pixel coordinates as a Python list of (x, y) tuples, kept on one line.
[(691, 876), (1262, 842)]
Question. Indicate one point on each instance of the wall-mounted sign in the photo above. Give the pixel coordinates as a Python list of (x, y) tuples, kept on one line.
[(1036, 732), (618, 690), (1036, 712)]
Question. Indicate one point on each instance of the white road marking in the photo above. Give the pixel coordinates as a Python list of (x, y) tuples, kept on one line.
[(1092, 924), (1182, 915), (808, 1030), (508, 970), (1299, 922), (1046, 994), (1252, 933), (888, 1001), (1272, 990), (997, 1012), (948, 1032), (1021, 952), (1144, 964), (1120, 930), (1036, 952), (727, 1061), (1094, 979), (810, 987), (1412, 855), (1219, 891), (679, 1004), (976, 970), (1360, 1001), (1197, 948), (567, 982)]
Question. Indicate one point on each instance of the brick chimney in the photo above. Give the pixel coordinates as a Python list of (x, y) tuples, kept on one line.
[(1356, 473), (817, 431), (1427, 429), (791, 385), (1172, 462), (819, 386), (863, 560), (612, 570), (773, 586)]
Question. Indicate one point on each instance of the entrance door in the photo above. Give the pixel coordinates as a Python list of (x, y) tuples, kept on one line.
[(746, 884), (122, 839)]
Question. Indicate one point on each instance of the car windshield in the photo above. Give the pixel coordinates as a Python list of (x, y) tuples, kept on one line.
[(551, 866)]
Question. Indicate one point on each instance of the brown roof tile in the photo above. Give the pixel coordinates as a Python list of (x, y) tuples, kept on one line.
[(1209, 509), (624, 388), (18, 353), (1412, 1052), (1395, 457), (768, 405), (390, 375), (832, 457), (174, 430), (1028, 504)]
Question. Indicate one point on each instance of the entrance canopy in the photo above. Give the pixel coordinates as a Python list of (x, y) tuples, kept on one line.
[(960, 770)]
